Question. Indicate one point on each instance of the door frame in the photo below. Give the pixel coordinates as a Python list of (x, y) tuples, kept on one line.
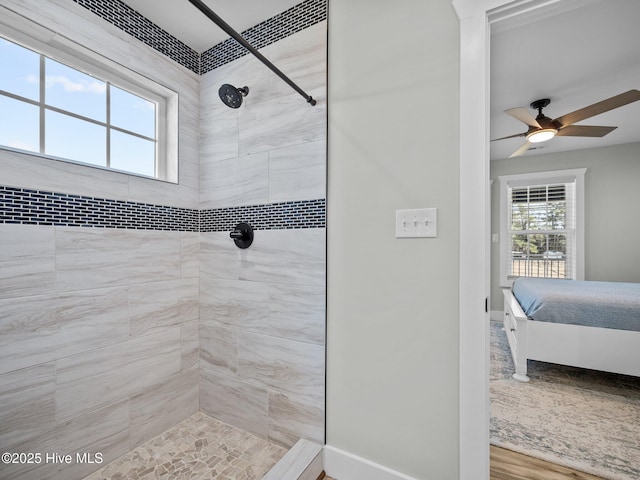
[(475, 17)]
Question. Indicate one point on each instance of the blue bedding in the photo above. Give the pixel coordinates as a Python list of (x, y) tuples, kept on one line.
[(595, 304)]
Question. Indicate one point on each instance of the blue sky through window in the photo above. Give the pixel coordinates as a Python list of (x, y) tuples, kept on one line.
[(21, 127), (78, 93), (24, 64), (74, 91), (133, 113)]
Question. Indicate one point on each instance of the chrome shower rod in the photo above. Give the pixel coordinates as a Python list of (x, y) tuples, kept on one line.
[(200, 5)]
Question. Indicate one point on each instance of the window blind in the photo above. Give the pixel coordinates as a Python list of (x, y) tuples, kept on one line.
[(542, 230)]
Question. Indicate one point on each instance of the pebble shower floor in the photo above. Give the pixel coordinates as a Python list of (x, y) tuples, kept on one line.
[(199, 447)]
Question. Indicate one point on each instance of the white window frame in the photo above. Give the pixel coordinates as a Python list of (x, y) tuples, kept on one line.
[(541, 178), (84, 60)]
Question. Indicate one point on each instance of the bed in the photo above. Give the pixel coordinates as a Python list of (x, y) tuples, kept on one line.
[(585, 324)]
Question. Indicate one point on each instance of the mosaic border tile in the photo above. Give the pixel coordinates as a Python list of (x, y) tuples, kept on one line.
[(138, 26), (36, 207), (272, 216), (293, 20)]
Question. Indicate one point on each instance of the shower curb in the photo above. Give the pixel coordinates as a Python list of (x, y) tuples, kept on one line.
[(303, 461)]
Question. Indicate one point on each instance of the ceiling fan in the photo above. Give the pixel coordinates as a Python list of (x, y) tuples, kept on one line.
[(542, 128)]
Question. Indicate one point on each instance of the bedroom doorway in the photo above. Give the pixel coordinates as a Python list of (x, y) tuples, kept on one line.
[(475, 233), (569, 86)]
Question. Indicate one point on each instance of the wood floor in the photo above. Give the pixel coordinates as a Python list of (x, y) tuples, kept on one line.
[(508, 465)]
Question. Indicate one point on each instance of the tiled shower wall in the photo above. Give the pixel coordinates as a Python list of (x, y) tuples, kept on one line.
[(98, 326), (262, 319)]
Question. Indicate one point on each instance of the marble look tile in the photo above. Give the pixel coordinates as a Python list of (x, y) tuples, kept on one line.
[(276, 256), (43, 328), (160, 407), (298, 172), (91, 258), (149, 190), (280, 122), (190, 344), (304, 57), (219, 257), (163, 70), (235, 402), (233, 182), (188, 173), (292, 368), (105, 430), (218, 132), (27, 404), (189, 254), (38, 173), (157, 305), (93, 379), (233, 302), (244, 71), (27, 259), (218, 349), (219, 127), (78, 24), (295, 312), (14, 26), (291, 419), (287, 256)]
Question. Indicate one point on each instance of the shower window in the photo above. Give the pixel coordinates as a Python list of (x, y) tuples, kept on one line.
[(82, 112)]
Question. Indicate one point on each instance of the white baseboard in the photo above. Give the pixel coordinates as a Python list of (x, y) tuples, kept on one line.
[(496, 315), (346, 466)]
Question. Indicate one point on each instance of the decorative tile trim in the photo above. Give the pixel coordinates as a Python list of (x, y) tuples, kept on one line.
[(129, 21), (272, 216), (280, 26), (36, 207)]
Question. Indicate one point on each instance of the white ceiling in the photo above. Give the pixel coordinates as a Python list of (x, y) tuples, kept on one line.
[(189, 25), (577, 57)]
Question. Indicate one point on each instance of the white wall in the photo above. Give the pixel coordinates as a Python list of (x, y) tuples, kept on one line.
[(611, 202), (392, 345)]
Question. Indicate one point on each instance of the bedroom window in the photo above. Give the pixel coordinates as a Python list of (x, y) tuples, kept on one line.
[(82, 111), (542, 226)]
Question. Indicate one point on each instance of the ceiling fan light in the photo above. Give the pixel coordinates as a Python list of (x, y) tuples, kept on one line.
[(542, 135)]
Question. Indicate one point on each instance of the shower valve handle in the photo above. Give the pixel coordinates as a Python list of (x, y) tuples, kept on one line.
[(242, 235)]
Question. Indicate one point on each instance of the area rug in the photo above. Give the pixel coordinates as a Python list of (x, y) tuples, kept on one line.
[(582, 419)]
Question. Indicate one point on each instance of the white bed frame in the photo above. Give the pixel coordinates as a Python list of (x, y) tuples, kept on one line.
[(604, 349)]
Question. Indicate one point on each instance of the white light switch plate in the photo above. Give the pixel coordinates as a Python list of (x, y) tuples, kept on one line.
[(418, 222)]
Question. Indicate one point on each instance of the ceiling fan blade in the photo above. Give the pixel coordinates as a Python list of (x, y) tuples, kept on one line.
[(598, 108), (524, 115), (521, 150), (584, 131), (510, 136)]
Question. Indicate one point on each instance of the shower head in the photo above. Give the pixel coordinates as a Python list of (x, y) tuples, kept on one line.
[(232, 96)]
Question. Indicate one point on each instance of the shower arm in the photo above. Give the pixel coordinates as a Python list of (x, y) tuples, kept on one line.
[(200, 5)]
